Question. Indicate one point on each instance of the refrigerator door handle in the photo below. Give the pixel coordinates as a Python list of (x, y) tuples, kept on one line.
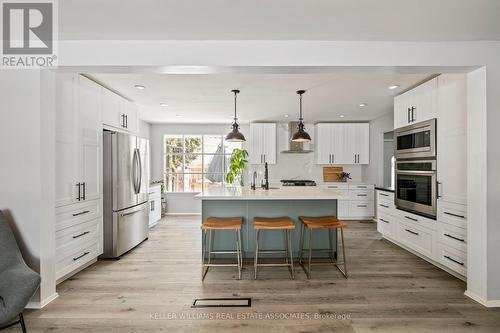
[(139, 178), (134, 171)]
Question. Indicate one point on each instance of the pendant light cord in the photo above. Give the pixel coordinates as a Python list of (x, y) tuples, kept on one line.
[(235, 96), (300, 109)]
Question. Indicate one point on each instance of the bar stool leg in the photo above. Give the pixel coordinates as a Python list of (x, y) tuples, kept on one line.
[(301, 245), (203, 244), (285, 243), (289, 241), (310, 254), (256, 253), (330, 238), (344, 272), (238, 253)]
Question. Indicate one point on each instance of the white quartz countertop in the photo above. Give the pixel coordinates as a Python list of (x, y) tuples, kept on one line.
[(277, 193)]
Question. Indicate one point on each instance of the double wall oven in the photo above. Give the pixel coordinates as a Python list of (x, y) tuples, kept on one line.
[(416, 184)]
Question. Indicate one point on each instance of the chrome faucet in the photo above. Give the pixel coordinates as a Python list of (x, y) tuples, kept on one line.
[(252, 186)]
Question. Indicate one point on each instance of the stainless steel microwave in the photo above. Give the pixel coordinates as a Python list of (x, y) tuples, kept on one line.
[(416, 141)]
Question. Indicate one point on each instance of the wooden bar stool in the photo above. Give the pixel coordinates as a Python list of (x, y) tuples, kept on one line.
[(322, 222), (275, 223), (220, 224)]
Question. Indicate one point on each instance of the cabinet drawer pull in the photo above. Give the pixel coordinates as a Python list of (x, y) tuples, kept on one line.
[(361, 186), (361, 205), (455, 261), (384, 195), (81, 256), (332, 186), (412, 232), (82, 234), (384, 221), (455, 238), (81, 213), (455, 215), (385, 206), (411, 218), (362, 195)]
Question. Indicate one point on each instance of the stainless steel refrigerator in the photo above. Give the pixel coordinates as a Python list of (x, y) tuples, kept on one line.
[(125, 188)]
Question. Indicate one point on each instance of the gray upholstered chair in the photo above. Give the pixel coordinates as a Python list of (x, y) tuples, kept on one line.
[(17, 281)]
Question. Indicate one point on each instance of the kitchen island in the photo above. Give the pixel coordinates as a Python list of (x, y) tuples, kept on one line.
[(275, 202)]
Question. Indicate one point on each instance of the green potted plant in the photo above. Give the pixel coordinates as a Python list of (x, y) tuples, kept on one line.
[(237, 164)]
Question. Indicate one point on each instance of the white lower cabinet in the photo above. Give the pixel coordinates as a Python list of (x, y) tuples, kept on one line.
[(442, 242), (358, 202), (78, 236), (417, 238), (452, 258), (154, 205)]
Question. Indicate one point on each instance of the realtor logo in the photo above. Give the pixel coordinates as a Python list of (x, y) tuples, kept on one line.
[(28, 31)]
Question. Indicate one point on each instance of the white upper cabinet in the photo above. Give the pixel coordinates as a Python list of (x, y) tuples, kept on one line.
[(67, 166), (323, 144), (78, 139), (452, 138), (416, 105), (118, 112), (342, 143), (262, 146)]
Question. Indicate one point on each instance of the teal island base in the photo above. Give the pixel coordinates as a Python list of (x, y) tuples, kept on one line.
[(274, 239)]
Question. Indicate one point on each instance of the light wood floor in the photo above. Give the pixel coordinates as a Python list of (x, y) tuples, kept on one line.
[(389, 290)]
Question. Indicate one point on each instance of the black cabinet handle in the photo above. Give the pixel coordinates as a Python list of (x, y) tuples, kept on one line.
[(361, 205), (361, 186), (82, 234), (411, 218), (412, 232), (126, 121), (123, 120), (385, 206), (413, 114), (81, 213), (409, 115), (455, 261), (455, 238), (84, 191), (384, 195), (333, 158), (362, 195), (384, 220), (81, 256), (451, 214), (79, 192)]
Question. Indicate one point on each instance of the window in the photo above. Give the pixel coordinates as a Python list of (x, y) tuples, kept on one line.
[(194, 163)]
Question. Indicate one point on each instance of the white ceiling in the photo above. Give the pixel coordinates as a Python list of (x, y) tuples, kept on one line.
[(207, 98), (362, 20)]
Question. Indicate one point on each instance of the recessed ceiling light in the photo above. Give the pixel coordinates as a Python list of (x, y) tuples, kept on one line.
[(138, 86), (163, 104), (362, 105), (286, 116), (341, 116), (394, 87)]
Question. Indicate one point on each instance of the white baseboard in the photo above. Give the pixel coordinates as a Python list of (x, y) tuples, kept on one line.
[(42, 303), (183, 214), (480, 300)]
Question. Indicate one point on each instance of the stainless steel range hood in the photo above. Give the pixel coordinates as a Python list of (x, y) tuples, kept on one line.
[(295, 147)]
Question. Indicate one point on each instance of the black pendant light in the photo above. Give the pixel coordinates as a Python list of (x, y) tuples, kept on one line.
[(301, 135), (235, 135)]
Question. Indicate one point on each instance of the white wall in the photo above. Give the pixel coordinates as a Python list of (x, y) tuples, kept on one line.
[(374, 172), (27, 169), (144, 129)]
